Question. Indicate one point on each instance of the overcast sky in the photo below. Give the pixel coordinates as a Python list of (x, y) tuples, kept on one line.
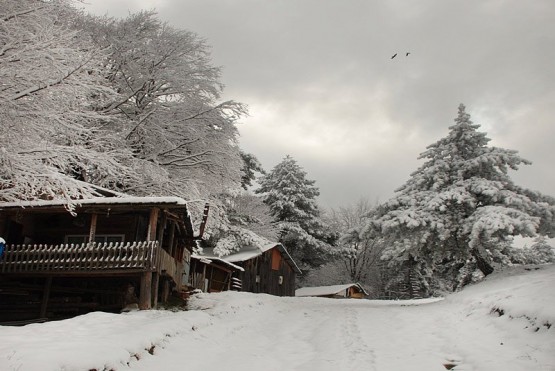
[(321, 86)]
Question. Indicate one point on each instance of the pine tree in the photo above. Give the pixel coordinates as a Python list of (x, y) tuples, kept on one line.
[(292, 201), (461, 204)]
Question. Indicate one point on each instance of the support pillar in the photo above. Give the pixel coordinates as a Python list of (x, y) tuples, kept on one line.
[(92, 231), (45, 296), (154, 288), (146, 291)]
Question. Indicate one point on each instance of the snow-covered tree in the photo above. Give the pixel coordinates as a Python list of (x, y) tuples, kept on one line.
[(541, 251), (251, 165), (461, 206), (357, 253), (170, 106), (53, 126), (250, 212), (292, 201)]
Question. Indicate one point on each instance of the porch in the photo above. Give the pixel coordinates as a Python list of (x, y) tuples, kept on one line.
[(144, 260)]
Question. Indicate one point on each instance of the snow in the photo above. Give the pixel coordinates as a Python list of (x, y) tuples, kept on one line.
[(503, 323)]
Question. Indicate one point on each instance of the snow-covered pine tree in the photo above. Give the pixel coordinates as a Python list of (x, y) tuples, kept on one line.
[(292, 201), (461, 205)]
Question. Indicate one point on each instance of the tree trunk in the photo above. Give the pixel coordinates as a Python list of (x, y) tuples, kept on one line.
[(482, 264)]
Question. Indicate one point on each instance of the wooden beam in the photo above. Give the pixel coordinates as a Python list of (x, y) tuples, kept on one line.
[(146, 291), (153, 221), (154, 288), (204, 278), (45, 296), (204, 219), (92, 231), (172, 238), (160, 234)]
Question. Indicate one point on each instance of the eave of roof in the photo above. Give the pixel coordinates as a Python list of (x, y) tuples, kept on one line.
[(97, 202), (209, 260)]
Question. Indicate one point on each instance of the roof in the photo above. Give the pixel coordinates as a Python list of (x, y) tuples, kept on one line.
[(327, 290), (207, 260), (250, 252), (96, 201)]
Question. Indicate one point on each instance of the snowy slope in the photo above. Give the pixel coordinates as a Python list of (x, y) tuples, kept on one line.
[(503, 323)]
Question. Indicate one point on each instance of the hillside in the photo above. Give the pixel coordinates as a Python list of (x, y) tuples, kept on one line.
[(503, 323)]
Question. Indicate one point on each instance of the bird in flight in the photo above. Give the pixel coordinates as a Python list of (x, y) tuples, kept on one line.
[(394, 55), (406, 55)]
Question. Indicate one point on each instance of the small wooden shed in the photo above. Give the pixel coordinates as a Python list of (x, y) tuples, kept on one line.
[(57, 264), (265, 269), (212, 274), (346, 291)]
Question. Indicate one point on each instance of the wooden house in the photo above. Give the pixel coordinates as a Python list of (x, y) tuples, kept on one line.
[(346, 291), (111, 251), (265, 269)]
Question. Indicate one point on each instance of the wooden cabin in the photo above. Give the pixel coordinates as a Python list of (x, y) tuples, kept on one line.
[(347, 291), (266, 269), (111, 251)]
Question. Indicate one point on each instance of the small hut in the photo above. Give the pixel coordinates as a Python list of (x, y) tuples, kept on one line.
[(346, 291)]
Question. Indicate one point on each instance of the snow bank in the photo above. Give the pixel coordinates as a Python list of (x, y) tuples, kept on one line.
[(93, 341)]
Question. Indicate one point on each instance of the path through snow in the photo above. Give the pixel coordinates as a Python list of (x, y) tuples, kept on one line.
[(504, 323)]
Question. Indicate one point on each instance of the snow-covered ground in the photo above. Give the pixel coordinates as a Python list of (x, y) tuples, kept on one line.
[(504, 323)]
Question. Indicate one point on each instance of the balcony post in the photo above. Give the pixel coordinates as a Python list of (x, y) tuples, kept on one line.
[(151, 234), (150, 283), (92, 230)]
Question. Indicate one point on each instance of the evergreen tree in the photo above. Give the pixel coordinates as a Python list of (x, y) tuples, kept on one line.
[(461, 206), (292, 201), (250, 166)]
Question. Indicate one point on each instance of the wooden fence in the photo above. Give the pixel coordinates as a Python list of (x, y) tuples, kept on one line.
[(144, 255)]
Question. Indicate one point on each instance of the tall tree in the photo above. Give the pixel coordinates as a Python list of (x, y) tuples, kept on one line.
[(461, 205), (171, 109), (53, 129), (292, 201)]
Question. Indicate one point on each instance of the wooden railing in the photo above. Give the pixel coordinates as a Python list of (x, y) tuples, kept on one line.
[(167, 265), (40, 258)]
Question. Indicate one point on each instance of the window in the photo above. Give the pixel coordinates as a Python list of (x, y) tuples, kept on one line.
[(276, 259)]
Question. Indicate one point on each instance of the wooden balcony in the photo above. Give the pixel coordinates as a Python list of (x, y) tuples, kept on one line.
[(89, 259)]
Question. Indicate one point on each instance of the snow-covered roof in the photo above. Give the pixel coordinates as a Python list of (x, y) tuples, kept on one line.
[(209, 260), (130, 200), (327, 290)]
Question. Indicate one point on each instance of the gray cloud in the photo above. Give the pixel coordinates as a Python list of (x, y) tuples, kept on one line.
[(321, 86)]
